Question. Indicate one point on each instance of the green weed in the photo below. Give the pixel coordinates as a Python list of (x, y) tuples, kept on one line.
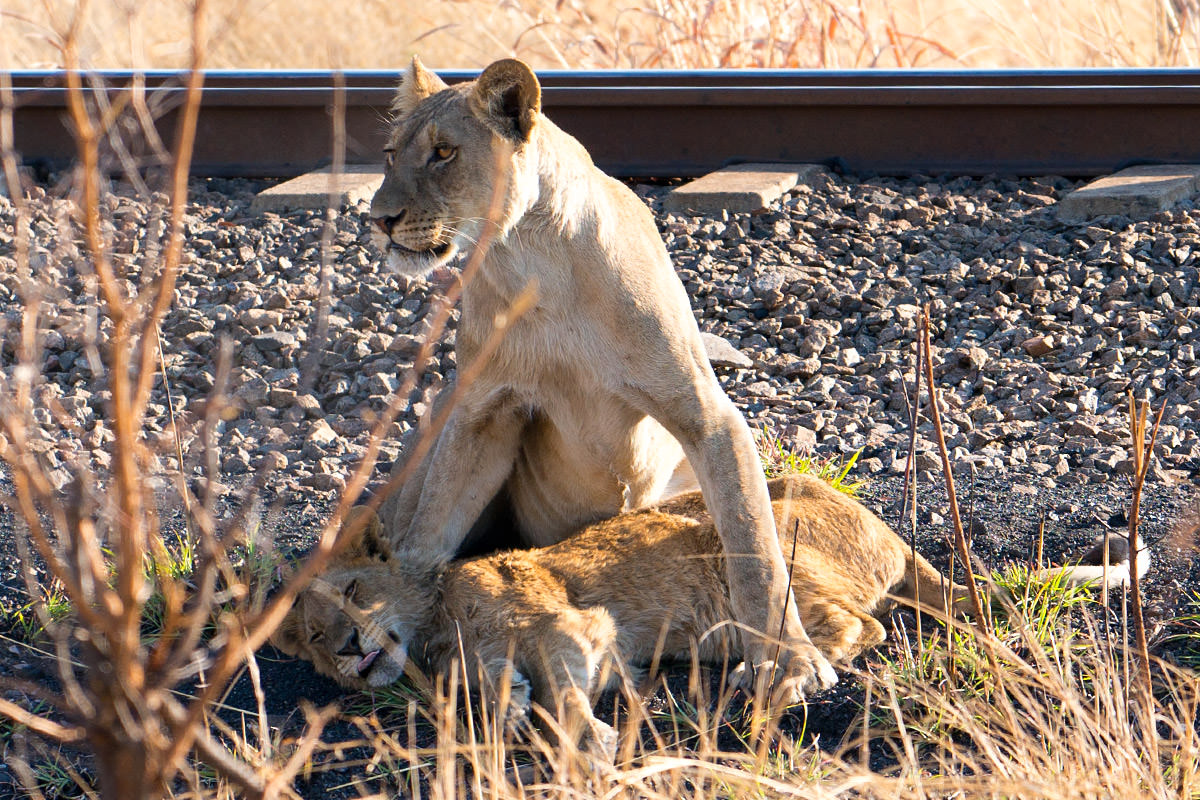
[(29, 621), (174, 564), (386, 701), (778, 459), (1040, 607), (55, 779), (1027, 613)]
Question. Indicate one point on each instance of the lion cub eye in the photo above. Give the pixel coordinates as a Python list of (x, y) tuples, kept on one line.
[(316, 637), (444, 152), (389, 158)]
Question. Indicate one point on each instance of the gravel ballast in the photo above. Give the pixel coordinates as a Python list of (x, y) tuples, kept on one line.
[(1041, 329)]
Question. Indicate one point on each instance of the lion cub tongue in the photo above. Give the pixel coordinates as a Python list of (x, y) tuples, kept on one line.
[(367, 661)]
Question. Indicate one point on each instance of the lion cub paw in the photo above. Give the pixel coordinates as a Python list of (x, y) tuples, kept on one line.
[(520, 697), (600, 742), (787, 684), (520, 692)]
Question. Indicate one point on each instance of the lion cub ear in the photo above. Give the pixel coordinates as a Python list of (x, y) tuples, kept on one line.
[(290, 633), (415, 85), (363, 534), (508, 98)]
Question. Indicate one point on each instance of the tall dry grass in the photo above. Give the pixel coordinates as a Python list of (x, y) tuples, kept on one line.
[(383, 34)]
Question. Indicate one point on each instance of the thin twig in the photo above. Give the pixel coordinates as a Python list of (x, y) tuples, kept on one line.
[(909, 505), (1143, 456), (960, 539)]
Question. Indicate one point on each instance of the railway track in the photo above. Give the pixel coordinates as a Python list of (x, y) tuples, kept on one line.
[(672, 123)]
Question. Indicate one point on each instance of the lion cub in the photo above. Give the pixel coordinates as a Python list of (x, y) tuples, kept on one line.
[(541, 624)]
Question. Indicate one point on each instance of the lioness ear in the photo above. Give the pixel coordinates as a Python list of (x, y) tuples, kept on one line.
[(363, 533), (415, 85), (508, 98)]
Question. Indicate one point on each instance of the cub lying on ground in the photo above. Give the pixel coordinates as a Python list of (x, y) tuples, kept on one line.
[(541, 624)]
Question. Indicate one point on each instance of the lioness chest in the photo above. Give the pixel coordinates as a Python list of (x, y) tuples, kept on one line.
[(585, 452)]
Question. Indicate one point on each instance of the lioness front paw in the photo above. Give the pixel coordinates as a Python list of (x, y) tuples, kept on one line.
[(805, 672)]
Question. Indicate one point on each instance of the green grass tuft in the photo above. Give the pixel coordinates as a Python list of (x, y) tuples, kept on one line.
[(778, 459), (29, 621), (1040, 607)]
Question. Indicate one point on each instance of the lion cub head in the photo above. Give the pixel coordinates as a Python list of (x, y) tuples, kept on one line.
[(355, 622), (450, 147)]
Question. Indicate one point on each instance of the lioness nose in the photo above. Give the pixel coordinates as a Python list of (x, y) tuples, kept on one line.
[(386, 223)]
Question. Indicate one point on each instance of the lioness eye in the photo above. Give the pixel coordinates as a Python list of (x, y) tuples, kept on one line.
[(316, 637), (444, 152), (389, 156)]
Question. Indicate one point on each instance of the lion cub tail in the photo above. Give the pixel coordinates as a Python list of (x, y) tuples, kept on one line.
[(927, 587)]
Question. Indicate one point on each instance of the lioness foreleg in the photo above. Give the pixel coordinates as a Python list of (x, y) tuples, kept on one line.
[(472, 458), (398, 508), (720, 448)]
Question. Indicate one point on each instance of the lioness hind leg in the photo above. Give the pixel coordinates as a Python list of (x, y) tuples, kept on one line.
[(841, 633)]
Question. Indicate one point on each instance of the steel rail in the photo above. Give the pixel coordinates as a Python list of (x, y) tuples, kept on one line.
[(678, 123)]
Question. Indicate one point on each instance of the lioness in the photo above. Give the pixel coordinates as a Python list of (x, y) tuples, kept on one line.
[(540, 624), (598, 400)]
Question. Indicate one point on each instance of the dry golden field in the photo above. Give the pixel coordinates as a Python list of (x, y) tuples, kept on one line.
[(381, 34)]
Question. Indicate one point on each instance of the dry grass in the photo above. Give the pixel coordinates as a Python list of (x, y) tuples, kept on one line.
[(383, 34)]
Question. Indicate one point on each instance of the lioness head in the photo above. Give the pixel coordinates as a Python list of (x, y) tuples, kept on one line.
[(457, 157), (355, 622)]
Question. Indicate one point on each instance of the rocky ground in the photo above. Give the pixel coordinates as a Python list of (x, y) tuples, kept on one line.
[(1041, 330)]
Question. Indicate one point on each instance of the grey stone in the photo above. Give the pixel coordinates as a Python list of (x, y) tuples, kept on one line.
[(1136, 192), (308, 404), (801, 368), (1038, 345), (738, 189), (274, 340), (271, 460), (260, 318), (321, 189), (325, 482), (321, 434), (723, 354), (254, 391)]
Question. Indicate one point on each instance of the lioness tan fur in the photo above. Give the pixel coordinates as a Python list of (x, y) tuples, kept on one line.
[(540, 624), (598, 400)]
